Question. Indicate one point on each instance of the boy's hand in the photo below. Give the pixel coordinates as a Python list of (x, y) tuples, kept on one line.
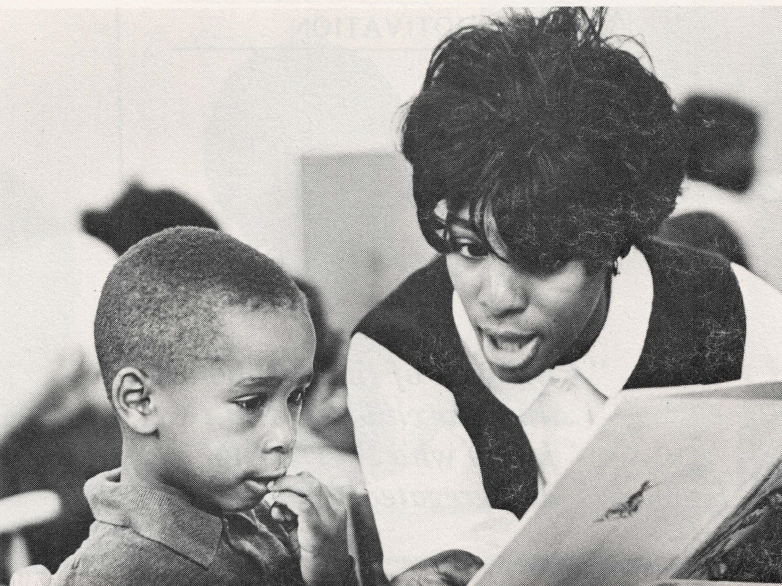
[(452, 568), (321, 533)]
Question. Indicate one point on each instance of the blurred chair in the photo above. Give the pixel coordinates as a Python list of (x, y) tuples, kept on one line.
[(31, 576), (20, 512)]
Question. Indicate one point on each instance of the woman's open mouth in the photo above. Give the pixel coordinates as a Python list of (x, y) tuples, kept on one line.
[(509, 350)]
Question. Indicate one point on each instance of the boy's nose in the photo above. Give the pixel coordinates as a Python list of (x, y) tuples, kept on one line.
[(503, 288), (279, 430)]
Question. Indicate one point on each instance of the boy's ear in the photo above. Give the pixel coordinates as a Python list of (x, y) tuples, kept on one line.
[(130, 396)]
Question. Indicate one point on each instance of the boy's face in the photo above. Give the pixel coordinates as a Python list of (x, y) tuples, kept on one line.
[(229, 428), (525, 322)]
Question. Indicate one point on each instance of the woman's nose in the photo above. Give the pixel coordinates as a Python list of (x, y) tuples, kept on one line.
[(503, 288)]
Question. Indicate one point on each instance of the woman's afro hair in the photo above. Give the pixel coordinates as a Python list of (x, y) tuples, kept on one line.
[(567, 141)]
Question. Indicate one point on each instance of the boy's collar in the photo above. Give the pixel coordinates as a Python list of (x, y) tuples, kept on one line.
[(155, 515)]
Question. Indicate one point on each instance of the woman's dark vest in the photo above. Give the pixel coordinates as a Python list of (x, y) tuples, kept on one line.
[(696, 336)]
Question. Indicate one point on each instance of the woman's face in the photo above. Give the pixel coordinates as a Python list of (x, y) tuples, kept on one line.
[(525, 322)]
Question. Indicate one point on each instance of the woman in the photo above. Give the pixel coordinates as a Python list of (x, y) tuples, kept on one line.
[(544, 158)]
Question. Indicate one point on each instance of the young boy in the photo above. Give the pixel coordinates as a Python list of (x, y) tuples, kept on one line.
[(206, 349)]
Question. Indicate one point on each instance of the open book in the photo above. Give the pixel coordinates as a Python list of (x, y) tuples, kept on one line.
[(671, 480)]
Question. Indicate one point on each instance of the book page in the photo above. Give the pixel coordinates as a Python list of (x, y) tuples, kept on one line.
[(673, 464)]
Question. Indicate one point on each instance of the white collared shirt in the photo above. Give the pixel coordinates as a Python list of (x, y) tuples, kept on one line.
[(419, 464)]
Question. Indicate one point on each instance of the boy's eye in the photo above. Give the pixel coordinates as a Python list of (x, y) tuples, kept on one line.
[(250, 403)]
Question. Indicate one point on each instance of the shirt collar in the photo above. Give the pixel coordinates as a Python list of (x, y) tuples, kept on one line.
[(611, 359), (156, 515), (615, 353)]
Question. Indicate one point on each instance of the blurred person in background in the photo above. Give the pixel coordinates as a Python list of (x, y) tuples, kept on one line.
[(325, 444), (705, 231), (720, 168), (72, 433), (724, 136), (140, 212)]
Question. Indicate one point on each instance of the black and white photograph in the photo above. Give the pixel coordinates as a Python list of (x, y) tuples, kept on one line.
[(390, 294)]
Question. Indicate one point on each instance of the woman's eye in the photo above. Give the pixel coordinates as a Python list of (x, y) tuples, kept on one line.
[(470, 249), (253, 403)]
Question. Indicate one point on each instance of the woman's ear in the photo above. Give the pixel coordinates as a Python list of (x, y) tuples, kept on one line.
[(130, 396)]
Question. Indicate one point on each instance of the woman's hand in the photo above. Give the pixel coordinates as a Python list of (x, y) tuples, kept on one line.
[(452, 568)]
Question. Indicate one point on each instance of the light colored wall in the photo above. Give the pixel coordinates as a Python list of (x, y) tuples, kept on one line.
[(222, 103)]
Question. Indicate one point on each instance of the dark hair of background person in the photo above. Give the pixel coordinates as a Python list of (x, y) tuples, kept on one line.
[(140, 212), (328, 342), (159, 305), (325, 411), (705, 231), (723, 135), (544, 127)]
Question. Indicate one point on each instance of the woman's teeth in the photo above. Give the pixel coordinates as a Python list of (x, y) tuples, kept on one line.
[(509, 351)]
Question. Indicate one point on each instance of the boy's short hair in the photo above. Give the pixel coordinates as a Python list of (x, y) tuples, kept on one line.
[(159, 304), (567, 141)]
